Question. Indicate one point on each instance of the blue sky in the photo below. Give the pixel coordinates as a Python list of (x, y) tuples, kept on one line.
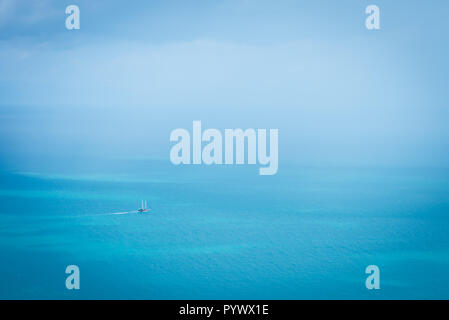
[(134, 71)]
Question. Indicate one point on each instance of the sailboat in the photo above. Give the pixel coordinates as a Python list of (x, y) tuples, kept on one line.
[(143, 207)]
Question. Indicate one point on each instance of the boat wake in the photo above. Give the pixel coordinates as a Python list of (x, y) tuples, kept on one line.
[(119, 213)]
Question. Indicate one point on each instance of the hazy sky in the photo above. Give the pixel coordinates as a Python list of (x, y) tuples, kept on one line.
[(337, 92)]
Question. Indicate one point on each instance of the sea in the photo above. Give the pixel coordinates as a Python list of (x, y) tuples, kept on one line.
[(225, 232)]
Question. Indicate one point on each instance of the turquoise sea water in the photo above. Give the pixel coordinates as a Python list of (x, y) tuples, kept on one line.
[(226, 233)]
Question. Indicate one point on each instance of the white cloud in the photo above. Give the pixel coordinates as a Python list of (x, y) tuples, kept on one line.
[(196, 73)]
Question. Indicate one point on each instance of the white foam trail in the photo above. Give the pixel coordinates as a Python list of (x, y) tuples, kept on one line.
[(127, 212), (108, 214)]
